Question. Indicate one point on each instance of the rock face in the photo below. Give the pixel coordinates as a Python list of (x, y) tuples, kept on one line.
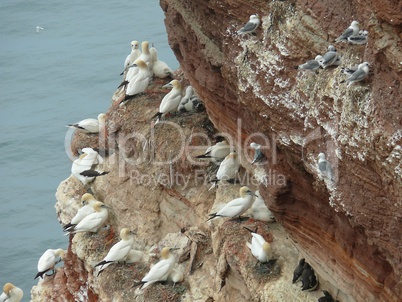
[(349, 230)]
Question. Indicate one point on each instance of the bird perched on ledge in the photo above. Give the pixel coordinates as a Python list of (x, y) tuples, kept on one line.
[(250, 26), (139, 82), (170, 101), (360, 73), (216, 152), (227, 170), (352, 30), (161, 270), (119, 251), (90, 125), (298, 271), (93, 221), (88, 200), (327, 297), (260, 248), (237, 206), (48, 261)]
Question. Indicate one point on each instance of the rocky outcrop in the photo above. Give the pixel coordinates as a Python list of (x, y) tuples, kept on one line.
[(350, 230)]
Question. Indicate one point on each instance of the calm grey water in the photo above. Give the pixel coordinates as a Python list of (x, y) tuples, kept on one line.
[(62, 74)]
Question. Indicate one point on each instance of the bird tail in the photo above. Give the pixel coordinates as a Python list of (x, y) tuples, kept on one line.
[(141, 283), (212, 216), (93, 173), (157, 115), (251, 231), (203, 156), (40, 274), (68, 227), (103, 262), (123, 84)]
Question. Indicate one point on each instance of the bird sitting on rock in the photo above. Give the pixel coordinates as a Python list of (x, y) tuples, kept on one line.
[(237, 206), (48, 261), (327, 297), (308, 278), (298, 271), (250, 26), (119, 251), (170, 101)]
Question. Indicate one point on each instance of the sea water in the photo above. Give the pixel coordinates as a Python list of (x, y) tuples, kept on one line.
[(50, 77)]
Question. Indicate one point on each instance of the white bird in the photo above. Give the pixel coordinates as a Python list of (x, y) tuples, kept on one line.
[(176, 275), (11, 293), (360, 73), (139, 82), (227, 169), (258, 155), (48, 261), (170, 101), (260, 248), (159, 68), (135, 256), (88, 201), (119, 251), (325, 167), (133, 70), (132, 56), (39, 28), (90, 125), (93, 221), (250, 26), (259, 210), (352, 30), (161, 270), (330, 57), (237, 206), (190, 101), (83, 167), (311, 65), (218, 151)]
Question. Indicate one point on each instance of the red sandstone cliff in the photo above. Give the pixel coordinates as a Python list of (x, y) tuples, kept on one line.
[(351, 231)]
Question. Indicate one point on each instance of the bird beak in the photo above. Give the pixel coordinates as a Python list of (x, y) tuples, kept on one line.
[(252, 193), (134, 65), (168, 85), (174, 248), (105, 206), (133, 233)]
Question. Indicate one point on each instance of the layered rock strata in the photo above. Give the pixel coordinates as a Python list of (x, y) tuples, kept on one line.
[(350, 229)]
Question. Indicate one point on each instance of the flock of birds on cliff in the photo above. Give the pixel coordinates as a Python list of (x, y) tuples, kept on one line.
[(139, 67)]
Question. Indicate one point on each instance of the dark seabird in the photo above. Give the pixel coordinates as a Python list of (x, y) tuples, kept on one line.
[(308, 278), (298, 271), (327, 297)]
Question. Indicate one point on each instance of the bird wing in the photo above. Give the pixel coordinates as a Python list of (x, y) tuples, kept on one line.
[(358, 75), (348, 32), (227, 168), (158, 272), (232, 209), (119, 251), (329, 57), (89, 223), (46, 261), (82, 213), (249, 26)]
